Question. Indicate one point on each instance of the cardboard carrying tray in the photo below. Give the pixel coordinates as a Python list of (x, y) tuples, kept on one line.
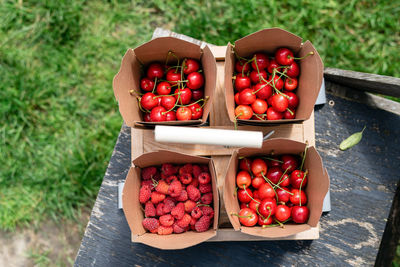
[(142, 141)]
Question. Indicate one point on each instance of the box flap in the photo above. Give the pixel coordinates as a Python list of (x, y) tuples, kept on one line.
[(210, 74), (229, 90), (167, 156), (275, 232)]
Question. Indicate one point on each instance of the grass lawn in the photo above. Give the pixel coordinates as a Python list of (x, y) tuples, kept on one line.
[(59, 118)]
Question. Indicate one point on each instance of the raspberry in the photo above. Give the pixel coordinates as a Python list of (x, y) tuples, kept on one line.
[(164, 230), (168, 169), (187, 168), (205, 188), (171, 178), (148, 183), (204, 178), (207, 211), (162, 187), (185, 221), (204, 168), (167, 220), (177, 229), (160, 209), (157, 197), (192, 223), (169, 204), (144, 194), (189, 205), (150, 224), (203, 224), (178, 211), (195, 182), (183, 196), (186, 178), (148, 173), (193, 193), (175, 189), (207, 198), (196, 170), (196, 213), (149, 210)]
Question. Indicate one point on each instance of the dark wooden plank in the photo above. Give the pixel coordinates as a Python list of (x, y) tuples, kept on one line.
[(363, 186), (375, 83)]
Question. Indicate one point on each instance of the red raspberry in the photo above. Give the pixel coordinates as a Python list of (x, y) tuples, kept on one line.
[(195, 182), (196, 213), (164, 230), (148, 173), (160, 209), (167, 220), (186, 178), (171, 178), (203, 224), (169, 204), (175, 189), (204, 178), (192, 223), (183, 196), (150, 224), (168, 169), (207, 211), (207, 198), (189, 205), (196, 170), (204, 168), (193, 193), (185, 221), (187, 168), (157, 197), (177, 229), (148, 183), (149, 210), (144, 194), (205, 188), (162, 187), (178, 211)]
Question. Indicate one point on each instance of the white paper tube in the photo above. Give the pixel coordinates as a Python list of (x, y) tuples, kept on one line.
[(191, 135)]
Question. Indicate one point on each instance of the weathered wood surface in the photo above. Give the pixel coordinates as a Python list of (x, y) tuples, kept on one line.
[(363, 184), (375, 83)]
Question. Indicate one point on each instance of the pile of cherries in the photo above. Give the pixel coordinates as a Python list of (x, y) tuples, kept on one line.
[(171, 93), (271, 190), (266, 87)]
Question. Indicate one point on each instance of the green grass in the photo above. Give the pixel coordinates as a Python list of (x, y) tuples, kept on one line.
[(59, 119)]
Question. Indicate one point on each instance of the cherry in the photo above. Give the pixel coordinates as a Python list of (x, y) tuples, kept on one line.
[(256, 194), (247, 96), (197, 111), (265, 221), (259, 106), (291, 84), (242, 82), (243, 112), (267, 207), (263, 90), (277, 82), (293, 70), (293, 100), (244, 195), (289, 115), (184, 95), (272, 65), (195, 80), (275, 162), (279, 102), (243, 178), (284, 56), (259, 117), (296, 179), (274, 174), (285, 180), (155, 70), (266, 191), (158, 114), (237, 101), (244, 164), (255, 76), (283, 194), (290, 163), (173, 77), (248, 217), (297, 194), (244, 205), (254, 203), (257, 182), (163, 88), (240, 66), (170, 116), (147, 84), (191, 65), (300, 214), (146, 117), (258, 167), (197, 94), (168, 102), (183, 114), (148, 101), (262, 61), (282, 213)]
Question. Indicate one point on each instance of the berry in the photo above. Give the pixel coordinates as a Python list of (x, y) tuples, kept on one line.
[(168, 169), (162, 187), (183, 196), (193, 193), (178, 211), (149, 209), (175, 189), (160, 209), (186, 178), (204, 178), (196, 213), (144, 194), (205, 188), (150, 224), (157, 197), (148, 173), (169, 204), (207, 198), (167, 220), (300, 214), (184, 221), (171, 178), (203, 224), (187, 168), (207, 211), (178, 229), (196, 170), (189, 205), (164, 230)]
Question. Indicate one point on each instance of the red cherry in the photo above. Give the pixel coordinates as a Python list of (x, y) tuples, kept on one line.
[(300, 214), (197, 111), (289, 162), (296, 177), (277, 82), (291, 84), (191, 65), (240, 64), (158, 114), (184, 95), (263, 90), (147, 84), (248, 217), (265, 221), (195, 80), (293, 100), (297, 194), (170, 116), (267, 207), (283, 194), (272, 65), (197, 94), (293, 70), (243, 112), (163, 88), (260, 117), (146, 117), (247, 96), (244, 205), (274, 115), (262, 61), (284, 56), (173, 77), (275, 162), (266, 191), (259, 106), (245, 164), (243, 196), (243, 178), (256, 194), (285, 180), (148, 101), (257, 182), (237, 101), (289, 115), (279, 102), (155, 70), (242, 82), (274, 174), (254, 203), (258, 167), (183, 114), (282, 213), (168, 102), (255, 76)]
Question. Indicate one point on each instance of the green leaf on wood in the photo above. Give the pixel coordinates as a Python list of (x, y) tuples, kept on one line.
[(352, 140)]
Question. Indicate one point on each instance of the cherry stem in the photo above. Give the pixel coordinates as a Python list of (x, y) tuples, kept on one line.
[(135, 93), (304, 157), (277, 160), (155, 183), (235, 214), (247, 62), (301, 184), (291, 112), (260, 214), (258, 70), (280, 224), (202, 205), (244, 188), (155, 85), (283, 74), (237, 56), (271, 184), (142, 108), (300, 58), (235, 122), (261, 118)]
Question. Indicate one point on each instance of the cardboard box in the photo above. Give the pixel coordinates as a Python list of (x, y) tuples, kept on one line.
[(133, 209), (316, 189), (268, 41), (130, 73)]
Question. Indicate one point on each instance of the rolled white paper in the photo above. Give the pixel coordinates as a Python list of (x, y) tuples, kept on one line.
[(207, 136)]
